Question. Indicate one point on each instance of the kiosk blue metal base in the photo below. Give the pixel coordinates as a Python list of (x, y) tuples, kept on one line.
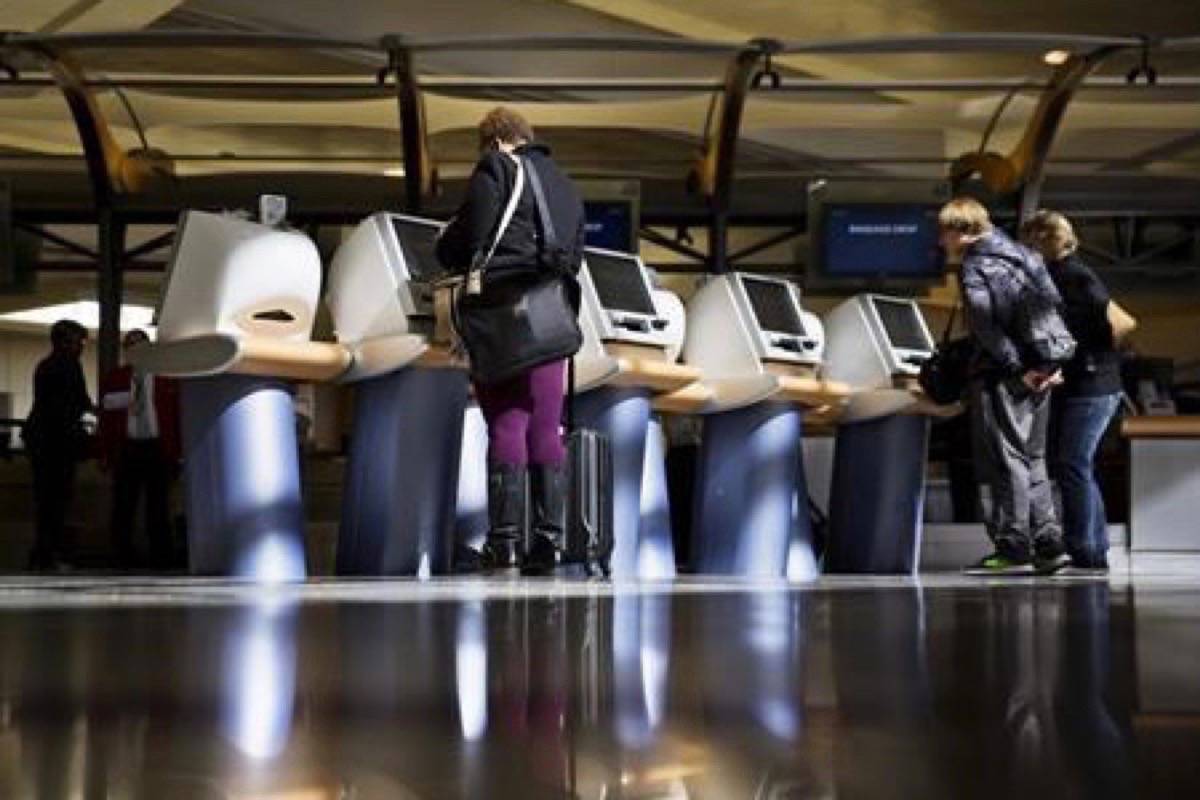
[(878, 496), (471, 504), (242, 478), (749, 481), (656, 546), (622, 414), (402, 474)]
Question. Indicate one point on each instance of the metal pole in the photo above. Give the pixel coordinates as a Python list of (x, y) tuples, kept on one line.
[(110, 290)]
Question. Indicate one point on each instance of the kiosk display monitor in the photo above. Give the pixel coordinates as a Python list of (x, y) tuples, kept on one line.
[(418, 239), (774, 307), (620, 282), (888, 241), (902, 324)]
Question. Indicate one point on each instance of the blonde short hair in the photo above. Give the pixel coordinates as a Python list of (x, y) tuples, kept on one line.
[(965, 215), (505, 125), (1051, 234)]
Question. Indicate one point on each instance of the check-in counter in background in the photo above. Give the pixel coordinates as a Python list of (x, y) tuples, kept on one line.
[(403, 464), (877, 344), (234, 324), (1164, 483), (760, 356)]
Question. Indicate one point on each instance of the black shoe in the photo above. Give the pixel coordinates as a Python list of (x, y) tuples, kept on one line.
[(548, 519), (1051, 564), (504, 547), (500, 556), (1050, 558)]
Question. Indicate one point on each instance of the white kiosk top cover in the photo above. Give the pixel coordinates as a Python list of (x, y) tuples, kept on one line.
[(875, 338), (235, 277), (381, 276)]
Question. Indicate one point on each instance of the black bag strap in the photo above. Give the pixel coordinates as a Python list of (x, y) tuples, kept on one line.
[(549, 237), (950, 322)]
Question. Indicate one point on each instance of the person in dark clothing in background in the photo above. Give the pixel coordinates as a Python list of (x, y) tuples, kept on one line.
[(140, 443), (1009, 394), (524, 413), (1091, 392), (55, 438)]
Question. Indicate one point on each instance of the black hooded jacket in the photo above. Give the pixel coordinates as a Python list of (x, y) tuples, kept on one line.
[(473, 227)]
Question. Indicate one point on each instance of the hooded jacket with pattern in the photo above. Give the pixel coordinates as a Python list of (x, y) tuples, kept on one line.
[(995, 273)]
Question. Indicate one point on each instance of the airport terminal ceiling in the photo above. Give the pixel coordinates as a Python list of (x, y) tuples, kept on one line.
[(314, 118)]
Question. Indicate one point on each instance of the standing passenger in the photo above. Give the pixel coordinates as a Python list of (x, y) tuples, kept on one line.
[(523, 414), (55, 439), (1092, 389), (1009, 393)]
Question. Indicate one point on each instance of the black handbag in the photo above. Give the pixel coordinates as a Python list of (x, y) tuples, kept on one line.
[(518, 321), (944, 375)]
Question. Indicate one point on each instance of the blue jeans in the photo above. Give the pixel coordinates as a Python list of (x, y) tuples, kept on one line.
[(1081, 427)]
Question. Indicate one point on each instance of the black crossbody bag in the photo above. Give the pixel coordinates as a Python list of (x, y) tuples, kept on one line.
[(944, 375)]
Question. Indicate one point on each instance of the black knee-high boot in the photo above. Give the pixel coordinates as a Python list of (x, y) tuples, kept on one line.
[(548, 495), (505, 544)]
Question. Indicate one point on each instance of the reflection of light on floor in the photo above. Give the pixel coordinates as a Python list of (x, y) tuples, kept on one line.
[(261, 682), (470, 669)]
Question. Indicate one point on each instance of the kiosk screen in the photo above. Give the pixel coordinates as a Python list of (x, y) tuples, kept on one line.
[(620, 283), (902, 324), (774, 307), (417, 241)]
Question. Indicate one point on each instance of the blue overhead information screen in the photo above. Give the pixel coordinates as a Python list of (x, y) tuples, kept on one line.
[(609, 225), (862, 240)]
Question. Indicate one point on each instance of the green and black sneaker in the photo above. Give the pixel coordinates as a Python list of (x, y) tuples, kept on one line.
[(1001, 565)]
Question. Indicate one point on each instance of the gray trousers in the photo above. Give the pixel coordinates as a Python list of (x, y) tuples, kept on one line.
[(1009, 425)]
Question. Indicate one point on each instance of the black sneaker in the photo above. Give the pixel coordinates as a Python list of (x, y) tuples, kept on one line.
[(1001, 565), (1051, 563)]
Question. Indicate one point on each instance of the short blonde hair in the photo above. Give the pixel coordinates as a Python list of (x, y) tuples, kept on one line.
[(1051, 234), (965, 215), (505, 125)]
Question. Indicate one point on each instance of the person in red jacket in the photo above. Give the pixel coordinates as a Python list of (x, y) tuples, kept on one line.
[(140, 444)]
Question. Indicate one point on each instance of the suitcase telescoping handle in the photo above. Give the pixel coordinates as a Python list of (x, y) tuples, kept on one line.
[(570, 395)]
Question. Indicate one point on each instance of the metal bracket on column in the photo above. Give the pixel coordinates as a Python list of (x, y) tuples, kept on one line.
[(113, 170), (713, 172), (1023, 170), (420, 175)]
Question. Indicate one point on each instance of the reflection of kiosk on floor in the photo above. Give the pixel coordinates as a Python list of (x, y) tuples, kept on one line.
[(402, 470), (235, 320), (633, 334), (876, 344), (760, 354)]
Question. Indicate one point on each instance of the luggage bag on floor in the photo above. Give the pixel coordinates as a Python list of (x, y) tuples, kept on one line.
[(589, 530)]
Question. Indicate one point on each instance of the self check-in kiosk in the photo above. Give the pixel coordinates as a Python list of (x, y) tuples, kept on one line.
[(760, 354), (234, 323), (633, 335), (403, 464), (876, 344)]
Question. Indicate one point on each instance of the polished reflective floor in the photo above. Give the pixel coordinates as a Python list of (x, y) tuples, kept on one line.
[(853, 688)]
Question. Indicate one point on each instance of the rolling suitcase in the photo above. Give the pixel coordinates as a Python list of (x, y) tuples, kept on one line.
[(589, 530)]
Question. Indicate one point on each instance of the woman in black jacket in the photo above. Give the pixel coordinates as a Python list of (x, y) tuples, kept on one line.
[(1091, 392), (523, 413)]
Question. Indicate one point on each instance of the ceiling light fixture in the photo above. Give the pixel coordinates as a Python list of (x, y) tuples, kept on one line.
[(1056, 58)]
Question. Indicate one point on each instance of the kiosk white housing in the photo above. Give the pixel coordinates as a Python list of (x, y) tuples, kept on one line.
[(747, 333), (380, 294), (624, 317), (874, 339), (240, 297)]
